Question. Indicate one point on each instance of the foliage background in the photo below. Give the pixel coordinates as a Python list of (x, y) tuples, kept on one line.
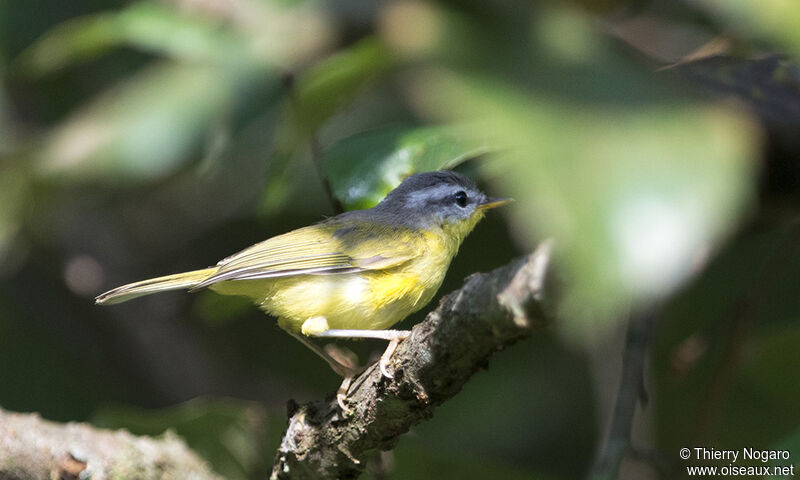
[(655, 140)]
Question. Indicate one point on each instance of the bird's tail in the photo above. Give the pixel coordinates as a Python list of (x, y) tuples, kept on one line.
[(154, 285)]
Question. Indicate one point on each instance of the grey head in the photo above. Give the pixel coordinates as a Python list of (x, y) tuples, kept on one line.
[(440, 198)]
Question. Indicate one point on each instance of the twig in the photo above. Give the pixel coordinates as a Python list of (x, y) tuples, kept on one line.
[(316, 157), (631, 390), (34, 448), (316, 149), (488, 313)]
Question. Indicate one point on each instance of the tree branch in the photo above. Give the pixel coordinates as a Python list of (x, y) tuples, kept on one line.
[(33, 448), (488, 313), (631, 391)]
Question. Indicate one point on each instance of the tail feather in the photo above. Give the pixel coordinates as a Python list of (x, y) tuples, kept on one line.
[(154, 285)]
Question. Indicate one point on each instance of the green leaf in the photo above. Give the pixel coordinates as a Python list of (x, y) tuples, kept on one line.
[(775, 20), (15, 196), (145, 128), (363, 168), (151, 27), (634, 196), (230, 434), (329, 85), (770, 85), (316, 96), (636, 181), (148, 126), (724, 362)]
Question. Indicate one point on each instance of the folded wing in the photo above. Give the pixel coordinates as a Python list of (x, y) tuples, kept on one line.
[(322, 249)]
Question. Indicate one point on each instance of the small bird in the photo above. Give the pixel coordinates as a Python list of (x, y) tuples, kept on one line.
[(353, 275)]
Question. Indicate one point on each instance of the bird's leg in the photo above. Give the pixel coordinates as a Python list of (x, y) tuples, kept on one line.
[(341, 394), (349, 372), (394, 337), (342, 355), (387, 356), (337, 366)]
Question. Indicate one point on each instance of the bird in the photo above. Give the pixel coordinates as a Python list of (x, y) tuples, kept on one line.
[(353, 275)]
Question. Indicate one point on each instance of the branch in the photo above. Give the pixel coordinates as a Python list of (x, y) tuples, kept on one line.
[(488, 313), (631, 391), (33, 448)]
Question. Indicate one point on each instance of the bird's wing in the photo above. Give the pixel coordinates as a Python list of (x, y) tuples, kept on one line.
[(317, 249)]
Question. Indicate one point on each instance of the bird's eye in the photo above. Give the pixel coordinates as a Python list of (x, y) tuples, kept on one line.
[(461, 199)]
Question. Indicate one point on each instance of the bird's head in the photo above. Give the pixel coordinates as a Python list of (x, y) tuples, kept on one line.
[(443, 198)]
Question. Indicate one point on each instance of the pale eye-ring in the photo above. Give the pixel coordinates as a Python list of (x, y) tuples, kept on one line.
[(461, 199)]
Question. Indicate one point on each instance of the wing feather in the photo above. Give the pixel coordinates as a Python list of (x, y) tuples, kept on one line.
[(321, 249)]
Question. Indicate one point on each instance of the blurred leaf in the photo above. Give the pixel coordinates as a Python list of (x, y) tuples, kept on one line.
[(363, 168), (229, 434), (14, 197), (153, 27), (776, 20), (314, 97), (723, 348), (635, 180), (770, 85), (634, 196), (145, 128), (332, 83)]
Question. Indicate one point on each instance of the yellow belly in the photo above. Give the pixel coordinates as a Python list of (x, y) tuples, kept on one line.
[(367, 300)]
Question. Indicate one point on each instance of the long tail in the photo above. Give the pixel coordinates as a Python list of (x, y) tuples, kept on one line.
[(154, 285)]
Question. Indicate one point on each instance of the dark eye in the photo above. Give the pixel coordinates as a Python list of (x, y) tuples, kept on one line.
[(461, 199)]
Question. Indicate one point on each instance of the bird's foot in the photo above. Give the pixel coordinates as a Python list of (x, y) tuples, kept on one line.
[(383, 364), (344, 361), (346, 365), (341, 395)]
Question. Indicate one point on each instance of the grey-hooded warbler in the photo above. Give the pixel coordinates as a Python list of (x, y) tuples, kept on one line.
[(353, 275)]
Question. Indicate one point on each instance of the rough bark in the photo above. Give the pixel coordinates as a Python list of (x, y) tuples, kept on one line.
[(33, 448), (488, 313)]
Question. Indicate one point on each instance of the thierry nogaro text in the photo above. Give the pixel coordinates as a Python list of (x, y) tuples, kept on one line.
[(747, 453)]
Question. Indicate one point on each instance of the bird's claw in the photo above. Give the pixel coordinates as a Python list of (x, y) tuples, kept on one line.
[(383, 365), (341, 395), (387, 356), (347, 368)]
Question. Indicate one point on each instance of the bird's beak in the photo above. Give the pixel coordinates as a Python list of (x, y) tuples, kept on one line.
[(494, 202)]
